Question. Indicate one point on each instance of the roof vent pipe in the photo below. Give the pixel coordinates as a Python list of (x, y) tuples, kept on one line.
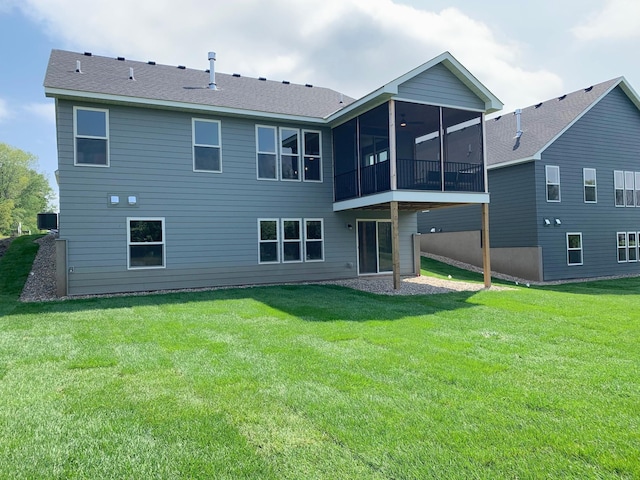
[(517, 113), (212, 71), (131, 77), (78, 69)]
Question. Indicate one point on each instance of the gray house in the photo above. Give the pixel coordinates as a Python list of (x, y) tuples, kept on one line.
[(172, 177), (564, 177)]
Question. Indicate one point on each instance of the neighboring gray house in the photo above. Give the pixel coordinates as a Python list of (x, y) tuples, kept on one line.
[(171, 177), (564, 178)]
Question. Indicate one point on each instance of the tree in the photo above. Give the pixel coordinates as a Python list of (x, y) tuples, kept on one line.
[(23, 191)]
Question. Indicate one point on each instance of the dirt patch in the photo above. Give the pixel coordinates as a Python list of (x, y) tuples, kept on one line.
[(4, 245)]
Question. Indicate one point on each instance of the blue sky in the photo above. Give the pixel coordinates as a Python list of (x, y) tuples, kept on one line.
[(524, 52)]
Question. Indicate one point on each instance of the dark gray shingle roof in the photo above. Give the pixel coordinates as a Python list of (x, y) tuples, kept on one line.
[(163, 83), (540, 124)]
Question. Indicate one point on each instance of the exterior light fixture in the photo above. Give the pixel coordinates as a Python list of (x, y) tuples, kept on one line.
[(349, 226), (114, 199), (433, 230), (547, 221), (558, 222), (132, 199)]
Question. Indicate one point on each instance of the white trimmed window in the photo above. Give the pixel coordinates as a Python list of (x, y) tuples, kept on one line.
[(312, 155), (266, 155), (314, 240), (145, 243), (574, 248), (291, 240), (622, 247), (632, 246), (290, 154), (91, 132), (629, 189), (589, 178), (618, 186), (552, 174), (206, 146), (637, 175), (268, 241)]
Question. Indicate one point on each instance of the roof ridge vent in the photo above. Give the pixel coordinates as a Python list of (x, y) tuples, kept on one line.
[(286, 82), (151, 62), (121, 59), (588, 89), (497, 118), (537, 105), (308, 85), (562, 97), (237, 75), (88, 54), (78, 69), (262, 79), (182, 67)]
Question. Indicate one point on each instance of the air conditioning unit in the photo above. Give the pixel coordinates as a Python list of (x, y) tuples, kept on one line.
[(47, 221)]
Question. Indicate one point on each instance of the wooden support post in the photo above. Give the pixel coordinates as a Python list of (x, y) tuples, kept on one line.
[(486, 248), (395, 245)]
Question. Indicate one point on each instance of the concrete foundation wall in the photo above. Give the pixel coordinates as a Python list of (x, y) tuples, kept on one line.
[(522, 262)]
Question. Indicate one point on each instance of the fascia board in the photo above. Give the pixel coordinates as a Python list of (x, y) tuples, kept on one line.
[(510, 163), (121, 99)]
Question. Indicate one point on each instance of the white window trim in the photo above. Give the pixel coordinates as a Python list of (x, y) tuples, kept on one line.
[(623, 247), (300, 240), (637, 188), (276, 241), (76, 136), (595, 185), (300, 159), (575, 249), (631, 175), (194, 144), (304, 154), (546, 183), (616, 186), (163, 243), (314, 240), (629, 247), (258, 152)]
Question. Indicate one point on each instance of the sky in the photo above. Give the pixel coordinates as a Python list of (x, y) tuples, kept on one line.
[(524, 52)]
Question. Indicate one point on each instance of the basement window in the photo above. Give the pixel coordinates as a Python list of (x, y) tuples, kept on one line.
[(574, 248), (91, 132), (145, 242)]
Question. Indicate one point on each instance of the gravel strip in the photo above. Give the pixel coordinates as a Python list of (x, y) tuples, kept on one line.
[(41, 284)]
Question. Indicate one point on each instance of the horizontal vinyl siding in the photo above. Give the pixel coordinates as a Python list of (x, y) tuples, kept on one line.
[(438, 86), (451, 219), (211, 219), (606, 139)]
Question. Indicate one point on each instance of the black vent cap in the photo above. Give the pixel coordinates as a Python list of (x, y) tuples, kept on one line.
[(88, 54), (120, 59), (182, 67), (151, 62)]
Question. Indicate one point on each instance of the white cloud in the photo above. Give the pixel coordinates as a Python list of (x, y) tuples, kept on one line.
[(44, 111), (353, 46), (618, 20)]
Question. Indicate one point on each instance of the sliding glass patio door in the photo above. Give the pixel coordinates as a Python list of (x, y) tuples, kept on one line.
[(374, 247)]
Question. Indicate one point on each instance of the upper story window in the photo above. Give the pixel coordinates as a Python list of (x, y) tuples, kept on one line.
[(589, 178), (288, 154), (618, 185), (626, 188), (206, 146), (311, 152), (629, 194), (91, 131), (552, 173), (266, 153)]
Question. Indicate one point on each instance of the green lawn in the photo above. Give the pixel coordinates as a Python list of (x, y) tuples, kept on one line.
[(304, 382)]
